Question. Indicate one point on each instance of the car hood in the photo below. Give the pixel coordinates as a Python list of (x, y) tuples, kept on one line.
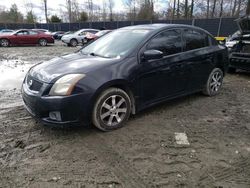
[(244, 24), (50, 70)]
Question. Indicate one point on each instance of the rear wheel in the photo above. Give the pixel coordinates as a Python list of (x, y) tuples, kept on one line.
[(111, 110), (214, 82), (73, 42), (4, 42), (42, 42)]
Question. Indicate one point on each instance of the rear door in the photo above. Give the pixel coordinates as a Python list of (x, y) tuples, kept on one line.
[(200, 57), (33, 37)]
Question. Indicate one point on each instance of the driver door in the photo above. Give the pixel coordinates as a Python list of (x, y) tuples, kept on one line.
[(166, 77), (22, 37)]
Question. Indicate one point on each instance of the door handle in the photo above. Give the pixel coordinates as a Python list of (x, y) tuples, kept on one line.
[(166, 69)]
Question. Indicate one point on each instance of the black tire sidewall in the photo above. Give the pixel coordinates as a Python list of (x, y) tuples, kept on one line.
[(207, 90), (72, 42), (97, 108)]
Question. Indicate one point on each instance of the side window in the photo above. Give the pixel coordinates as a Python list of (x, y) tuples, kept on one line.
[(169, 42), (92, 31), (33, 32), (195, 39), (22, 33)]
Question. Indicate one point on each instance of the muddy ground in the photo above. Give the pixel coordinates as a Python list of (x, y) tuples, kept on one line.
[(142, 154)]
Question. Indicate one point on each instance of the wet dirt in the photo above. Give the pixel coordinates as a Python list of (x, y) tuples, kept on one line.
[(144, 153)]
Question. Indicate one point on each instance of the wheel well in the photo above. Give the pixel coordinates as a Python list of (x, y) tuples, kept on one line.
[(74, 39), (220, 63), (5, 39)]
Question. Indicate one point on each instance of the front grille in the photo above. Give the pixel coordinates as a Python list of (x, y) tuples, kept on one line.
[(33, 84)]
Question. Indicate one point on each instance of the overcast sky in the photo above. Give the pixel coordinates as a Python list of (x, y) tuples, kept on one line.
[(55, 5)]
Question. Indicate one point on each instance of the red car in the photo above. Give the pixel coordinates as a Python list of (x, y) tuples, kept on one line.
[(90, 37), (25, 37)]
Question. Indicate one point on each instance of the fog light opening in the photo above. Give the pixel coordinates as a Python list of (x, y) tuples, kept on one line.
[(55, 116)]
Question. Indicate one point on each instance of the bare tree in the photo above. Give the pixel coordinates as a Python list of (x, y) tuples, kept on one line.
[(238, 8), (173, 14), (221, 8), (46, 10), (213, 9), (208, 2), (69, 9), (110, 7), (186, 9), (192, 9), (178, 9), (248, 8)]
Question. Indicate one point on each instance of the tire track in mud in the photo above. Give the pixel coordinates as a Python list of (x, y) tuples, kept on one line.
[(228, 174), (117, 163)]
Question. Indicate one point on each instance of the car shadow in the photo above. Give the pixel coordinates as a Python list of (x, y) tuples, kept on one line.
[(90, 129)]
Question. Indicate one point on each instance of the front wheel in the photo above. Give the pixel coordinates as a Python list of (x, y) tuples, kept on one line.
[(214, 82), (73, 42), (111, 110), (4, 42)]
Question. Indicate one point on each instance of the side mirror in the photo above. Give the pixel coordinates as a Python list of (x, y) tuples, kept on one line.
[(152, 54)]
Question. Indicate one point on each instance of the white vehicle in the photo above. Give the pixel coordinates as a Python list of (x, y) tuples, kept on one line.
[(236, 37), (77, 37)]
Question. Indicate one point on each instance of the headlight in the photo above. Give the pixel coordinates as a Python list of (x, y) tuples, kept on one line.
[(65, 85)]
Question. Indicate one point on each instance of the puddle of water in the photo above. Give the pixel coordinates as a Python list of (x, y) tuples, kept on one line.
[(12, 73)]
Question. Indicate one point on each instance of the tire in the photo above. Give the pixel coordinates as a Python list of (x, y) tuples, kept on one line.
[(111, 110), (4, 43), (214, 82), (42, 42), (231, 70), (73, 42)]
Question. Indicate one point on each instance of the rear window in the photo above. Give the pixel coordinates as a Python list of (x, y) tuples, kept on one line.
[(195, 39)]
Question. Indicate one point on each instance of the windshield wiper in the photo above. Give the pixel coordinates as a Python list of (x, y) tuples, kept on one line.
[(95, 54)]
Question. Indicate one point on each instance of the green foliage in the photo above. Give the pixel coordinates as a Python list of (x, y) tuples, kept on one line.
[(55, 19), (83, 17), (12, 15), (30, 17)]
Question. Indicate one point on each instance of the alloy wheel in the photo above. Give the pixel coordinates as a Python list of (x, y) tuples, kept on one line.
[(216, 82), (4, 43), (113, 110), (43, 42)]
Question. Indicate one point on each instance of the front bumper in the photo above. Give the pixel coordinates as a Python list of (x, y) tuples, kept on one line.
[(73, 109), (65, 40), (240, 61)]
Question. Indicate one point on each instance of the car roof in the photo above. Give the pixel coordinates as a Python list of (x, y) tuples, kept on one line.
[(161, 26)]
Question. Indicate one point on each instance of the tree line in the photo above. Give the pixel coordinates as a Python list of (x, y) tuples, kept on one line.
[(133, 10)]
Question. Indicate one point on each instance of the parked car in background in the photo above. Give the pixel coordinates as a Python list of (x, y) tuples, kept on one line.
[(25, 37), (239, 46), (76, 38), (42, 30), (58, 35), (90, 37), (6, 31), (124, 72), (236, 37)]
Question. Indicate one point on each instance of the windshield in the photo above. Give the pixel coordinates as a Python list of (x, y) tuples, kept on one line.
[(100, 33), (116, 44)]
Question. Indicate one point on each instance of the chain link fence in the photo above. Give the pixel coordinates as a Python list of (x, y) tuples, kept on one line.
[(216, 26)]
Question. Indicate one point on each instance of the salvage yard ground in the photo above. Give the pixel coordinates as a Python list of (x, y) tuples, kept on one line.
[(215, 153)]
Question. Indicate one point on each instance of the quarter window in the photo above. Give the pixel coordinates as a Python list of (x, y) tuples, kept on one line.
[(195, 39), (169, 42)]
